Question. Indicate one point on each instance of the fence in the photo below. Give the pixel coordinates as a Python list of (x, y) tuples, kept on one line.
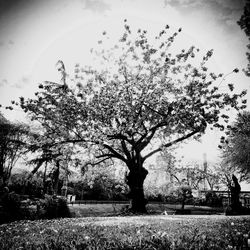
[(79, 202)]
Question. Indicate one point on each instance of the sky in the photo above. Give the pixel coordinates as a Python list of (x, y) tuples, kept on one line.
[(35, 34)]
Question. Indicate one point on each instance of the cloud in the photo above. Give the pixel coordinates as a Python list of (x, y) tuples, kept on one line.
[(21, 83), (183, 4), (3, 82), (25, 79), (231, 4), (98, 6), (224, 12), (221, 4), (17, 85), (6, 44), (10, 42)]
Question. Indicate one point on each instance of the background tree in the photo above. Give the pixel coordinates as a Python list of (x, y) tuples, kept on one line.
[(184, 193), (166, 162), (12, 147), (244, 23), (103, 186), (213, 179), (199, 175), (33, 187), (236, 146), (55, 158), (142, 98)]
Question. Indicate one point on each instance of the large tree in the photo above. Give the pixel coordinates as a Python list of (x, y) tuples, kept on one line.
[(236, 145), (140, 99)]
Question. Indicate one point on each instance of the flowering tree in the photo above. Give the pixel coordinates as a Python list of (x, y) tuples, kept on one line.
[(145, 99)]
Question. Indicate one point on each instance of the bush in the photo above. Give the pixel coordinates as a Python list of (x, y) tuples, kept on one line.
[(53, 207), (13, 208), (197, 201), (10, 207), (20, 184), (157, 198), (172, 199), (213, 200), (184, 194)]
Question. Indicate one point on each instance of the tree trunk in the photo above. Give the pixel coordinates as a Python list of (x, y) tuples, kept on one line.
[(135, 180), (44, 177), (1, 177), (56, 178), (183, 204)]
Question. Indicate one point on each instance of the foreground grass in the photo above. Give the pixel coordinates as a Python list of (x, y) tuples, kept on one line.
[(135, 232)]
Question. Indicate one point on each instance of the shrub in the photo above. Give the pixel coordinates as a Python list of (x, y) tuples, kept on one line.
[(157, 198), (54, 207), (20, 184), (10, 207), (172, 199), (184, 193), (213, 200), (197, 201), (13, 208)]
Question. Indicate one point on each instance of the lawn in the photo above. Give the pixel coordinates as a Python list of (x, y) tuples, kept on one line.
[(128, 232), (109, 209)]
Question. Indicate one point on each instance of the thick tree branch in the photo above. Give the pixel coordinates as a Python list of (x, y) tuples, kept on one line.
[(147, 138), (159, 113), (125, 149), (115, 153), (120, 136), (170, 144), (98, 162)]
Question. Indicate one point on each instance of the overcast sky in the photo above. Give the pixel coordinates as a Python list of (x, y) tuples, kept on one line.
[(35, 34)]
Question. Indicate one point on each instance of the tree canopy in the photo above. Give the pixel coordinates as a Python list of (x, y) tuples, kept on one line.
[(244, 23), (236, 145), (139, 99)]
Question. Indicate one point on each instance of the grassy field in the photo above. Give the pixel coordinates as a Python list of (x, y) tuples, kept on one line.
[(129, 232)]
